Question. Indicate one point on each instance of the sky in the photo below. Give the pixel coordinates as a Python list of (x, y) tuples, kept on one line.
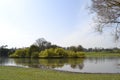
[(61, 22)]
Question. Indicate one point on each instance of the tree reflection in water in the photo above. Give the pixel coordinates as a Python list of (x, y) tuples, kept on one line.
[(50, 63)]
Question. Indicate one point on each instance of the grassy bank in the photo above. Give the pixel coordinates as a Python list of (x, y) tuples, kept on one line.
[(15, 73), (101, 54)]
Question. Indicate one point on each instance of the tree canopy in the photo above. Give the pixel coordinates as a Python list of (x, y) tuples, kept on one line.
[(108, 15), (42, 44)]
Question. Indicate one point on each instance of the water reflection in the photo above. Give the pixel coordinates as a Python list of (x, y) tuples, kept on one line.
[(50, 63), (98, 60), (3, 61), (90, 65)]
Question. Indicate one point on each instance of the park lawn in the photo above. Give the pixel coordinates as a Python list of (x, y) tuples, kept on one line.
[(101, 54), (17, 73)]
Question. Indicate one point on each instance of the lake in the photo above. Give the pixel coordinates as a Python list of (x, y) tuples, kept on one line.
[(87, 65)]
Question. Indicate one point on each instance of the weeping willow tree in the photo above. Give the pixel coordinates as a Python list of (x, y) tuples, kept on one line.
[(107, 16)]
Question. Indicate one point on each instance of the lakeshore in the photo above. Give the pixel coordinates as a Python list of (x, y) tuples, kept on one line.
[(17, 73)]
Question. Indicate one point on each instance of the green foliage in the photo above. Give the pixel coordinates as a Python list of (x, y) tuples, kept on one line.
[(20, 53), (48, 53), (101, 54), (60, 53), (35, 55), (33, 50), (4, 52), (76, 48)]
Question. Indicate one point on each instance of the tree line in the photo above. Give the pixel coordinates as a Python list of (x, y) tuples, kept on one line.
[(44, 49), (5, 52)]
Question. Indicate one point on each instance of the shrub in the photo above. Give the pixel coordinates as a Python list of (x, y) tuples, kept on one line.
[(35, 55), (60, 52)]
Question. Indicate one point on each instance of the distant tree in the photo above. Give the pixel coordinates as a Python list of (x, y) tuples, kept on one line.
[(76, 49), (33, 49), (4, 46), (55, 46), (72, 48), (4, 52), (42, 44), (108, 15), (20, 53), (11, 51), (80, 48), (90, 49)]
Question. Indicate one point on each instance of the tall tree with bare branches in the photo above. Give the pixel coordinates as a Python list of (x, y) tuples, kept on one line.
[(108, 16)]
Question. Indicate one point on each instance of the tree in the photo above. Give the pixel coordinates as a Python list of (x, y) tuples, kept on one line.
[(61, 52), (42, 44), (33, 49), (4, 51), (20, 53), (72, 48), (76, 48), (80, 48), (108, 15)]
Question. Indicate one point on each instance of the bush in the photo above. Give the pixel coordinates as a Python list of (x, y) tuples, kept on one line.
[(60, 53), (35, 55), (47, 53), (20, 53)]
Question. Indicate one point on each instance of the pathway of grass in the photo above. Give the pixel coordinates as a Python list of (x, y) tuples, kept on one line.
[(15, 73)]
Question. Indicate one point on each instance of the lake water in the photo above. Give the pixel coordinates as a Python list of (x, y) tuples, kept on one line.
[(88, 65)]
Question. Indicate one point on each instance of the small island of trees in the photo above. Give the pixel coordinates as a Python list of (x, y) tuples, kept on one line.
[(44, 49)]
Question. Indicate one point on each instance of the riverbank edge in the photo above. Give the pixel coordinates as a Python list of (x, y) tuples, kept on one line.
[(17, 73), (86, 55), (59, 70)]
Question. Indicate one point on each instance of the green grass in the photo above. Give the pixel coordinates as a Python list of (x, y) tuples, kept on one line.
[(101, 54), (15, 73)]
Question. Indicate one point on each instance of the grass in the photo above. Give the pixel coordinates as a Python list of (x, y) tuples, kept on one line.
[(101, 54), (15, 73)]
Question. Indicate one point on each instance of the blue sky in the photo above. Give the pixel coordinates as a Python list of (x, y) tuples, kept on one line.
[(62, 22)]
